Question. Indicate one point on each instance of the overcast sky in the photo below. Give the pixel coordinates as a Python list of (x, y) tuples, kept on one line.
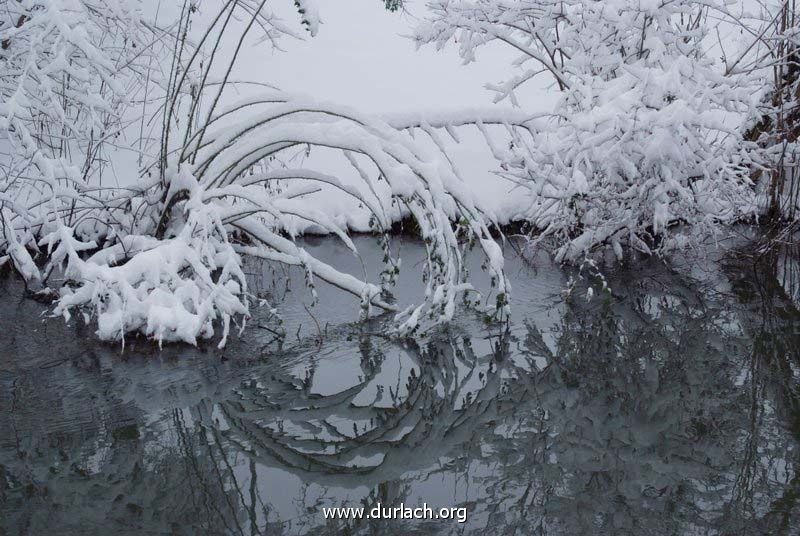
[(360, 57)]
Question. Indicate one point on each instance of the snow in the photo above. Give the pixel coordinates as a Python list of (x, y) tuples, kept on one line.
[(147, 217), (309, 13), (646, 133)]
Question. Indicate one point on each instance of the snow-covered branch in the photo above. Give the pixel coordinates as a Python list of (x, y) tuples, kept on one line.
[(644, 150), (161, 253)]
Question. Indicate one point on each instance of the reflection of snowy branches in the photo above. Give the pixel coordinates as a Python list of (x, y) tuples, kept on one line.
[(626, 420), (670, 408), (430, 404)]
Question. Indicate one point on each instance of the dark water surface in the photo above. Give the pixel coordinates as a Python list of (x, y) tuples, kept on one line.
[(671, 407)]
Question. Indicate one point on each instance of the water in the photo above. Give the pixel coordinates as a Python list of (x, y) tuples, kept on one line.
[(670, 407)]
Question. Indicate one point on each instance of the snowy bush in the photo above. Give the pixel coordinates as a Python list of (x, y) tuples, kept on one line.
[(161, 255), (65, 73), (643, 151), (166, 289), (773, 51)]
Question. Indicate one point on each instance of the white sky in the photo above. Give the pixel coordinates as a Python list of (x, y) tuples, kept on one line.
[(361, 58)]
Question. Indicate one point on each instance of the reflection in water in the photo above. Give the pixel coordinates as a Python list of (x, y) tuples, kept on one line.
[(671, 407)]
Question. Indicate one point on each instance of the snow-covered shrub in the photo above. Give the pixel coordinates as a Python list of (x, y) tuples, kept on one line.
[(162, 254), (646, 134), (774, 50), (171, 289), (67, 70)]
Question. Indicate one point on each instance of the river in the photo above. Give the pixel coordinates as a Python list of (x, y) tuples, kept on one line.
[(670, 405)]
